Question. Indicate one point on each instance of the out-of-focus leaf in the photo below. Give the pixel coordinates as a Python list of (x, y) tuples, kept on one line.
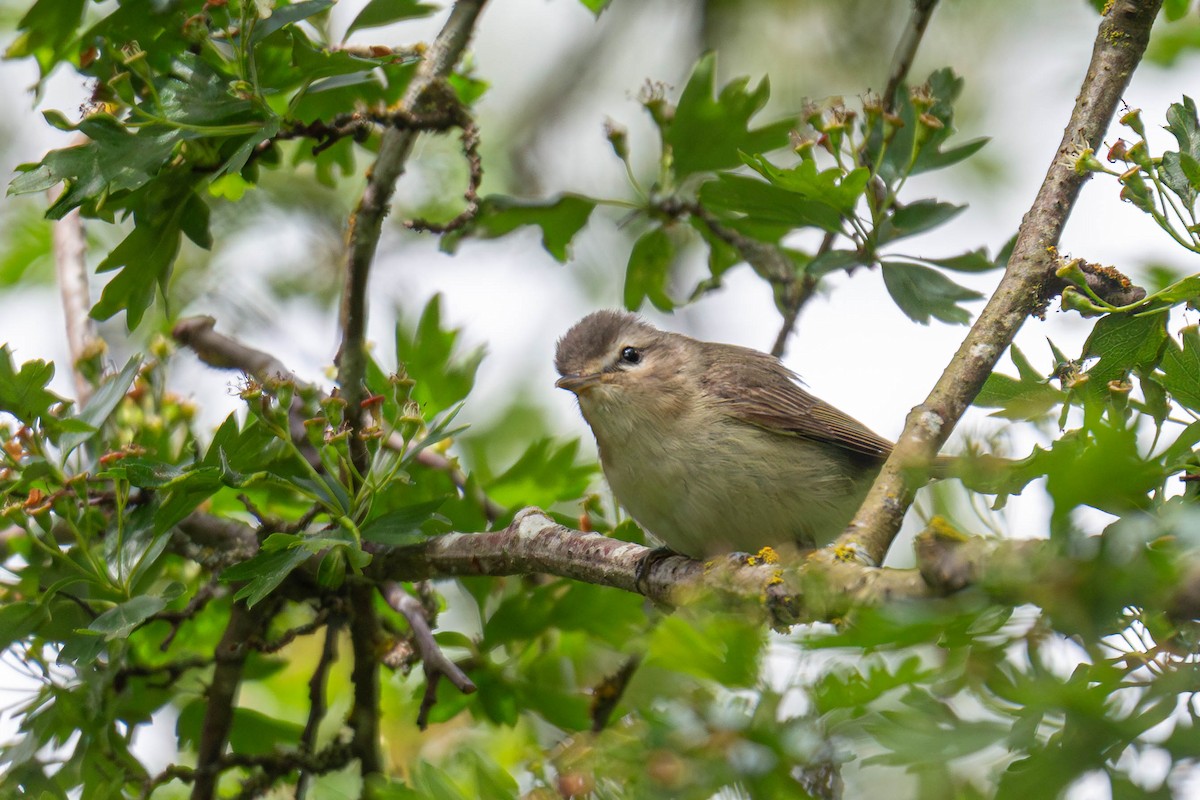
[(917, 217), (119, 621), (252, 732), (648, 270), (102, 404), (286, 15), (922, 292), (973, 261), (384, 12), (23, 392), (719, 648), (427, 354), (1029, 397), (706, 134), (542, 476), (47, 28)]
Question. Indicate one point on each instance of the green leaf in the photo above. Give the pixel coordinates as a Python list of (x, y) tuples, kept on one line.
[(830, 186), (914, 218), (144, 258), (834, 261), (119, 621), (973, 261), (403, 525), (596, 6), (542, 476), (385, 12), (719, 648), (648, 269), (47, 30), (252, 733), (102, 404), (1181, 368), (1183, 124), (560, 220), (280, 554), (23, 393), (764, 203), (922, 292), (706, 134), (287, 15), (427, 354), (1123, 343), (1176, 9), (1029, 397)]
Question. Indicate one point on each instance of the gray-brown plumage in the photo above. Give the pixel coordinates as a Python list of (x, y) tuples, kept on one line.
[(714, 447)]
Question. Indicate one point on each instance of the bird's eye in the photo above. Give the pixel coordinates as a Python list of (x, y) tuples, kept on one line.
[(631, 355)]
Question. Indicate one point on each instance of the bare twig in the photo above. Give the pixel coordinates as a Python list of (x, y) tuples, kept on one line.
[(433, 660), (1124, 32), (906, 50), (366, 223), (317, 703)]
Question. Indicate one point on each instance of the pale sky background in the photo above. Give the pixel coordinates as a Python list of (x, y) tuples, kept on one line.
[(854, 348)]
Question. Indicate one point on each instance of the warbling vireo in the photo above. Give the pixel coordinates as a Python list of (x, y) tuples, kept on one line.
[(713, 447)]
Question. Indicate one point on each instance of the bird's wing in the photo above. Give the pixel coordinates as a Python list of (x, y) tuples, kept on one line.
[(761, 391)]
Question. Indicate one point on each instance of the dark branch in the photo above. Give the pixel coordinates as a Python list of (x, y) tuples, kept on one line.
[(366, 223), (906, 50), (364, 714), (433, 660)]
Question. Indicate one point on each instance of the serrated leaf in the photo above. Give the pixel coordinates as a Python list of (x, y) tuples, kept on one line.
[(922, 292), (706, 134), (1181, 369), (829, 186), (23, 392), (279, 556), (1123, 343), (428, 353), (648, 270)]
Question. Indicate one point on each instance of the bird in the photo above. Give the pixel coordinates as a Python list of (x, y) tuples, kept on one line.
[(714, 448)]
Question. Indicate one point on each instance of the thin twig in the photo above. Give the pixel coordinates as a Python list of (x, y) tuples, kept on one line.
[(366, 223), (433, 660), (906, 50), (1122, 38), (317, 702)]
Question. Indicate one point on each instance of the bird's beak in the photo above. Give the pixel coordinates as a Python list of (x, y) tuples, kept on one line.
[(578, 383)]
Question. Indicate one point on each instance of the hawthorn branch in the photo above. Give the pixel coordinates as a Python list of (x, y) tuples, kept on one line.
[(366, 223), (364, 675), (906, 49), (223, 352), (317, 703), (1121, 41), (433, 660)]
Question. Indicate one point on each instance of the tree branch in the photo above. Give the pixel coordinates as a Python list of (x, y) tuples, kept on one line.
[(317, 703), (906, 49), (1120, 43), (366, 223), (70, 266), (244, 623), (364, 714), (433, 660), (222, 352)]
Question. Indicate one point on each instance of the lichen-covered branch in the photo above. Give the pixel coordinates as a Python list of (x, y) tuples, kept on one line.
[(1120, 43)]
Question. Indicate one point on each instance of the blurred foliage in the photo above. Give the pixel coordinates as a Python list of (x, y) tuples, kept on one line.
[(1019, 687)]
